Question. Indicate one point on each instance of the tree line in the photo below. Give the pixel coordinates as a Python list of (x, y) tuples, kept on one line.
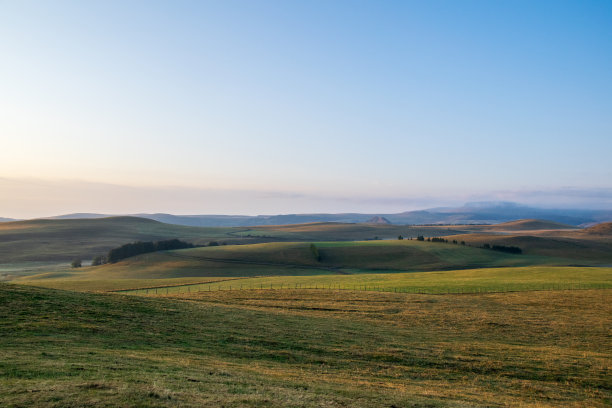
[(501, 248), (140, 247)]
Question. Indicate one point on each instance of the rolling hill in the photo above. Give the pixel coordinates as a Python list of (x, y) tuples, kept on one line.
[(62, 240), (529, 225), (53, 240), (294, 258), (605, 228)]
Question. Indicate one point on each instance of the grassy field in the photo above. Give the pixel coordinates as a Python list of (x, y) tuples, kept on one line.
[(456, 281), (305, 349), (176, 336), (460, 281)]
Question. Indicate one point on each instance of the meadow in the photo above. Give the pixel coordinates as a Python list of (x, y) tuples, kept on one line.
[(485, 280), (296, 348), (375, 323)]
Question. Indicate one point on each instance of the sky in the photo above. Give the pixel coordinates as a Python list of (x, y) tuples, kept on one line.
[(264, 107)]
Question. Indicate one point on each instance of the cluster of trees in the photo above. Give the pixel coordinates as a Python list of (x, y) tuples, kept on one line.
[(438, 239), (503, 248), (98, 260), (137, 248)]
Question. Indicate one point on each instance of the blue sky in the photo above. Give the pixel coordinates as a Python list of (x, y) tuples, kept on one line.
[(333, 105)]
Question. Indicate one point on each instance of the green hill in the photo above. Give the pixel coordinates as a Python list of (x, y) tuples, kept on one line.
[(575, 249), (295, 258)]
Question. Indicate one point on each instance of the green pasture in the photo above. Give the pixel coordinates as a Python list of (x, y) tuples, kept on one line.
[(458, 281)]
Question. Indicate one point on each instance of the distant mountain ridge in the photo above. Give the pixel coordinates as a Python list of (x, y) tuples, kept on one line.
[(470, 213)]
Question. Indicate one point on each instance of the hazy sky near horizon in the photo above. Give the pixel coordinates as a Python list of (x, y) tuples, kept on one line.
[(285, 106)]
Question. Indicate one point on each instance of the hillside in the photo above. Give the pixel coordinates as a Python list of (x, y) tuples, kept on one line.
[(605, 228), (62, 240), (298, 259), (529, 225), (577, 248)]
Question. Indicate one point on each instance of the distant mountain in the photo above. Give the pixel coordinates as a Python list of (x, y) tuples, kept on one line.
[(496, 212), (378, 220), (470, 213), (79, 216), (2, 219)]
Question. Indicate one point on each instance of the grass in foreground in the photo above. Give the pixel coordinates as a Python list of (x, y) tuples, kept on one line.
[(305, 349)]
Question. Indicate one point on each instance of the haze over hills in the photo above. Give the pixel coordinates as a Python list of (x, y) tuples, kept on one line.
[(470, 213)]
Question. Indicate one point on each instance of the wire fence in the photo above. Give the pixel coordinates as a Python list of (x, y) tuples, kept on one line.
[(426, 290)]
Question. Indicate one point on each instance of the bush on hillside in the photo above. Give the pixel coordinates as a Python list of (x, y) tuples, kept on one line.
[(315, 252), (508, 249)]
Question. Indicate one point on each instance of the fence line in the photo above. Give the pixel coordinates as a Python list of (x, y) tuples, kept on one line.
[(370, 288)]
